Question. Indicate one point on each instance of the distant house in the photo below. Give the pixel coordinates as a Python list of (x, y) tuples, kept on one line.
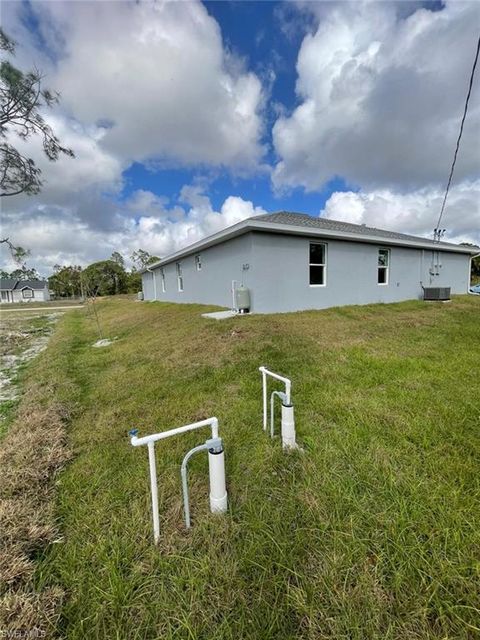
[(291, 262), (15, 290)]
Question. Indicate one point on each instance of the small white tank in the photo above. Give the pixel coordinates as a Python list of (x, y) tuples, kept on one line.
[(242, 299)]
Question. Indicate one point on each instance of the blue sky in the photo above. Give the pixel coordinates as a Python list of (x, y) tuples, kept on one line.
[(265, 47), (186, 117)]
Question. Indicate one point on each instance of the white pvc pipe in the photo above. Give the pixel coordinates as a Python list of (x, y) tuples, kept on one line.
[(288, 427), (288, 422), (154, 491), (286, 381), (213, 422), (150, 442), (265, 409), (218, 489), (280, 395)]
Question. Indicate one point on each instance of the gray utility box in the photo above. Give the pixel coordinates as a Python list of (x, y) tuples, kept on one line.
[(436, 293)]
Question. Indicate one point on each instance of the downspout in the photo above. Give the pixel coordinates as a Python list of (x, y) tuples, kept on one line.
[(154, 283)]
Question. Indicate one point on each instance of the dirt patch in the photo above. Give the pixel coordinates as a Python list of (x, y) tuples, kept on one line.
[(21, 340)]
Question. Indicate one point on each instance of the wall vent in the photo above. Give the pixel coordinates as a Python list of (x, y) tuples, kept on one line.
[(436, 293)]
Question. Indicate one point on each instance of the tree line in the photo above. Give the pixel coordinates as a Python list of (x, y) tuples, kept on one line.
[(103, 278)]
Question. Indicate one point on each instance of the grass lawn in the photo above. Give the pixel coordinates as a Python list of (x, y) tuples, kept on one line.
[(372, 532)]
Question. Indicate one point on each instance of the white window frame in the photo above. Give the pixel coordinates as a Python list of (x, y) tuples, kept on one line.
[(30, 291), (198, 262), (386, 267), (179, 277), (162, 280), (318, 264)]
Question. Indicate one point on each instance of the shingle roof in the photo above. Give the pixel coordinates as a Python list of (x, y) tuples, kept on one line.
[(301, 223), (9, 284), (304, 220)]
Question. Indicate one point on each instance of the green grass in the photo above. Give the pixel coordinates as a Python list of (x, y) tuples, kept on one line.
[(372, 532)]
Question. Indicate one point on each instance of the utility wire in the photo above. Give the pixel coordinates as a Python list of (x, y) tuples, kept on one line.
[(459, 136)]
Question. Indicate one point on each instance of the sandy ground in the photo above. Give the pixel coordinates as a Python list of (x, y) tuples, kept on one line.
[(21, 339), (44, 309)]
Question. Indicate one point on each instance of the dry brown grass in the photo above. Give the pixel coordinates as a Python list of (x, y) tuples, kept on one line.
[(33, 451)]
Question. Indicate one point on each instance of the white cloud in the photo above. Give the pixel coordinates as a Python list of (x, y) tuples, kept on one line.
[(159, 75), (415, 213), (381, 96), (61, 236)]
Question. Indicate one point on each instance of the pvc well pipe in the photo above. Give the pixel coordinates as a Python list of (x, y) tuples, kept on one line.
[(154, 491), (209, 422), (218, 489), (218, 493), (216, 471), (282, 397), (183, 473), (288, 422), (288, 427)]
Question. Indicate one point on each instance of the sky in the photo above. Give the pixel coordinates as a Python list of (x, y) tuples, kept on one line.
[(187, 117)]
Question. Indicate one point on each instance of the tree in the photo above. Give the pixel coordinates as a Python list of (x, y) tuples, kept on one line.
[(475, 261), (118, 258), (21, 100), (105, 278), (66, 281), (18, 253), (25, 274), (142, 258)]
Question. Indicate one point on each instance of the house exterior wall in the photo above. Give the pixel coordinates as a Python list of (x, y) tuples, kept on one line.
[(351, 273), (278, 273), (39, 295), (221, 264)]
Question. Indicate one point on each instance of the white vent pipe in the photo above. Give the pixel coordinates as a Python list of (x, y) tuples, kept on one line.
[(216, 464), (288, 421)]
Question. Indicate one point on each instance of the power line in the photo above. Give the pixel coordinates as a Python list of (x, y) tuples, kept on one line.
[(458, 140)]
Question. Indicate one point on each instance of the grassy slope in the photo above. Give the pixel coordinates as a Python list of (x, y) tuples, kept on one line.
[(372, 533)]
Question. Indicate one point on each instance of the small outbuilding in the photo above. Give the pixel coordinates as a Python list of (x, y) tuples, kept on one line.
[(15, 290), (293, 262)]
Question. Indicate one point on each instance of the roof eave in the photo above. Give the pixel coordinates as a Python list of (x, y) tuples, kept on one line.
[(355, 237), (216, 238), (250, 224)]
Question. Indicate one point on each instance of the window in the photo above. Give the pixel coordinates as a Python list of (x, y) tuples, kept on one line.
[(162, 276), (179, 277), (27, 293), (383, 266), (317, 265), (4, 295), (198, 262)]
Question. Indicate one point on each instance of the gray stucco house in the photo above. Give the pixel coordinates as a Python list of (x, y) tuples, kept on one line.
[(292, 262), (15, 290)]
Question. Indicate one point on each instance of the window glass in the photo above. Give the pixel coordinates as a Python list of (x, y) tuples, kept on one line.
[(317, 264), (383, 266), (317, 274), (317, 254), (179, 277), (382, 276), (383, 257)]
